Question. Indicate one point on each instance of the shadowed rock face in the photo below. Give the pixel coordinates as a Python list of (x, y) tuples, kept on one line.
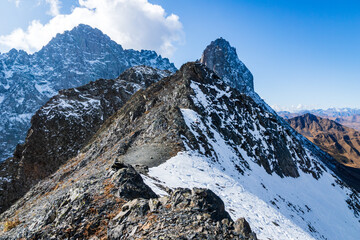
[(220, 57), (64, 124), (71, 59)]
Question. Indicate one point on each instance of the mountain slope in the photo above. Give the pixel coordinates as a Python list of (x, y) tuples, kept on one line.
[(341, 142), (193, 130), (148, 129), (233, 168), (215, 137), (69, 60), (63, 125)]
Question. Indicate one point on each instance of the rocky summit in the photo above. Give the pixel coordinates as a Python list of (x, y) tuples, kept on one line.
[(189, 156), (71, 59), (222, 58)]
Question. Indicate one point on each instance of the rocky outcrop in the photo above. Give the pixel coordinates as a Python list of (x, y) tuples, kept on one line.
[(220, 57), (111, 201), (69, 60), (184, 214), (63, 125)]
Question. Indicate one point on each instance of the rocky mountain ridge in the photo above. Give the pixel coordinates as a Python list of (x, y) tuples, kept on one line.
[(61, 127), (98, 177), (191, 130), (71, 59), (200, 123)]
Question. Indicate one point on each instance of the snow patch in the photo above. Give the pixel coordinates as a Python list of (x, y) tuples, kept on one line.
[(45, 89)]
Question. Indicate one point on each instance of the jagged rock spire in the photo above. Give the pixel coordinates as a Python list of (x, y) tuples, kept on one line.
[(220, 57)]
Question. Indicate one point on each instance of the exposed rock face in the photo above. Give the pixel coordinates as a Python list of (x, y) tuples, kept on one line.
[(220, 57), (184, 214), (71, 59), (101, 200), (63, 125)]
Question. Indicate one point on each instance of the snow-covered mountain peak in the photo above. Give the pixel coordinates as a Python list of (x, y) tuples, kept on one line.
[(83, 38), (222, 58), (69, 60)]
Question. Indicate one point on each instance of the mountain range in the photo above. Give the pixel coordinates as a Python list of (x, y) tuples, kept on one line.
[(71, 59), (341, 142), (349, 117), (186, 155)]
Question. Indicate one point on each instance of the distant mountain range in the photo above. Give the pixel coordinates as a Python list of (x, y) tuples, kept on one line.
[(341, 142), (69, 60), (349, 117)]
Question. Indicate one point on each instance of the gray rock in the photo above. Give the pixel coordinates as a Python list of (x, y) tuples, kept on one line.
[(130, 184), (220, 57)]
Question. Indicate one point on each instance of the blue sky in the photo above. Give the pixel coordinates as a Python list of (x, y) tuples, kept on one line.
[(300, 52)]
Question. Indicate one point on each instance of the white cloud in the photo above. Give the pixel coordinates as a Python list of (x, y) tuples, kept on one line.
[(134, 24), (54, 7), (292, 108)]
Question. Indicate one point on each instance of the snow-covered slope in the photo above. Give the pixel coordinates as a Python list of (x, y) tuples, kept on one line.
[(71, 59), (284, 185), (312, 205)]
